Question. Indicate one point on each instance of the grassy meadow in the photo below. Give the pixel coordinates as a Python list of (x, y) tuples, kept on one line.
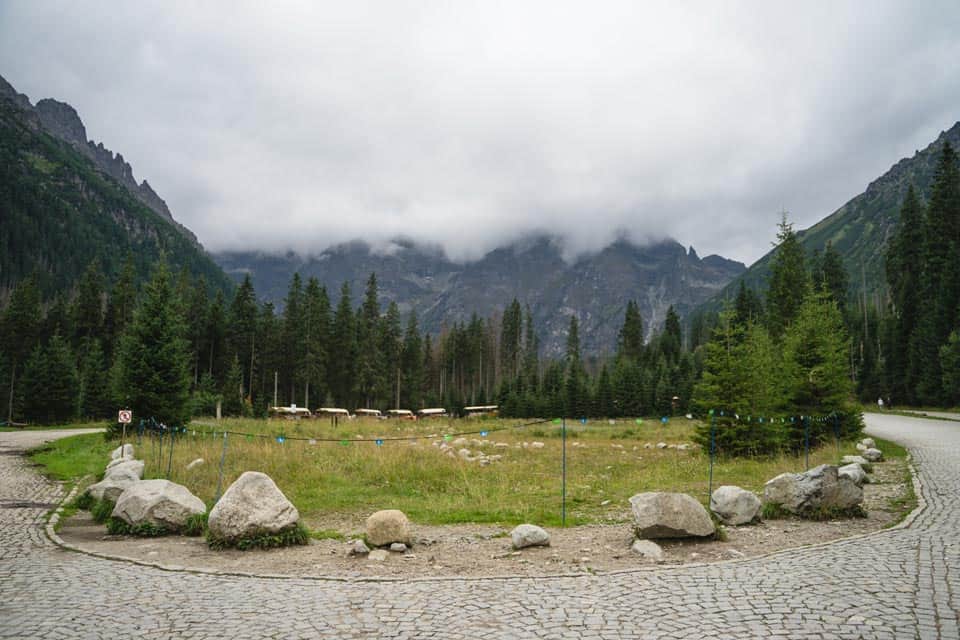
[(344, 479)]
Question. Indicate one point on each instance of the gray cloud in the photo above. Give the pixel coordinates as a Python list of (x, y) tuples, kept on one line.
[(467, 126)]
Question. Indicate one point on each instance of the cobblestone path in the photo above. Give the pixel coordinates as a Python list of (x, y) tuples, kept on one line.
[(902, 583)]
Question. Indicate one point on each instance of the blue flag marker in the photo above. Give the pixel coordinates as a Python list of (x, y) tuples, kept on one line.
[(280, 439), (379, 442), (583, 421), (663, 420), (483, 434)]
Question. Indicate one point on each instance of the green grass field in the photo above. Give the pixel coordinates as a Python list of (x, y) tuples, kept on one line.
[(344, 478)]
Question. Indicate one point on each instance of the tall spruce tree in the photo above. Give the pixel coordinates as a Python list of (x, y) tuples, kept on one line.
[(630, 340), (904, 264), (50, 384), (19, 335), (343, 351), (788, 281), (152, 374)]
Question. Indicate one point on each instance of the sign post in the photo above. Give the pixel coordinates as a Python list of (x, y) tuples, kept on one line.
[(124, 417)]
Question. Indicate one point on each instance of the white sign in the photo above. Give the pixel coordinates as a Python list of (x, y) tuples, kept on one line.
[(125, 416)]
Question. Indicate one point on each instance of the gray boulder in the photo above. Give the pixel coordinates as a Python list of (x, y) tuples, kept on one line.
[(158, 502), (125, 467), (873, 455), (854, 472), (648, 549), (126, 451), (111, 487), (860, 460), (386, 527), (669, 515), (818, 488), (253, 505), (735, 506), (869, 443), (529, 535), (359, 548)]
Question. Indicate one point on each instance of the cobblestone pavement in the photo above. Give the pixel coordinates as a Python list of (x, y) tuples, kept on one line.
[(895, 584)]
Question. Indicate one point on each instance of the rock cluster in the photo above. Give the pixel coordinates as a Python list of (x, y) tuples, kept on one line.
[(458, 449), (122, 472), (819, 488)]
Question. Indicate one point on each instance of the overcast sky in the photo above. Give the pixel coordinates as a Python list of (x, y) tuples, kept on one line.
[(469, 124)]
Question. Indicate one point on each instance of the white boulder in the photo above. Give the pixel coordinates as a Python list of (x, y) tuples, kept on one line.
[(253, 505), (125, 467), (845, 460), (158, 502), (529, 535), (869, 443), (735, 506), (669, 515), (388, 526), (873, 455)]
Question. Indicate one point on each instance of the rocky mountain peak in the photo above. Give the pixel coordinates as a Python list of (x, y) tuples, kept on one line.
[(61, 120)]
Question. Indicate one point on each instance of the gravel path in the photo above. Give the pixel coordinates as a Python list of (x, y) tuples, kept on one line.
[(902, 583)]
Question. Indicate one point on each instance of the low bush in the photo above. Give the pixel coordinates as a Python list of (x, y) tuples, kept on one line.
[(118, 527), (196, 524), (84, 501), (298, 535), (102, 510)]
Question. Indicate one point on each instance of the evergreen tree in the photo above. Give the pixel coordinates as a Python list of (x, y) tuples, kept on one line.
[(391, 348), (152, 374), (511, 332), (242, 329), (748, 307), (630, 340), (411, 376), (531, 356), (788, 281), (121, 304), (94, 393), (19, 334), (50, 384), (831, 277), (86, 314), (815, 368), (343, 351), (214, 339), (671, 340), (293, 345), (950, 366), (576, 398), (904, 263), (371, 378), (232, 390), (316, 337)]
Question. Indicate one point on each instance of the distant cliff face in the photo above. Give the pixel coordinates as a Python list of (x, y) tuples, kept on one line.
[(595, 287), (861, 228), (61, 121)]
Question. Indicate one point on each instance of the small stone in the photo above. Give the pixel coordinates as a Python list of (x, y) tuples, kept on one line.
[(661, 445), (536, 445), (873, 455), (196, 463), (869, 443), (378, 555), (359, 548), (529, 535), (398, 547)]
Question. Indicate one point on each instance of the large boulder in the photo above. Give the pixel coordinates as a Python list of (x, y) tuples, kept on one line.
[(160, 503), (735, 506), (111, 487), (817, 488), (854, 472), (669, 515), (873, 455), (253, 505), (386, 527), (529, 535), (860, 460), (126, 451), (125, 467)]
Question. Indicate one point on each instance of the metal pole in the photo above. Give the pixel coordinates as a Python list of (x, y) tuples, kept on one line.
[(223, 456), (563, 473), (836, 432), (713, 449), (170, 460), (806, 438)]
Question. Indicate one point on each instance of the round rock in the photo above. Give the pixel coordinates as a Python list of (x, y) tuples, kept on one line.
[(529, 535), (735, 506), (388, 526)]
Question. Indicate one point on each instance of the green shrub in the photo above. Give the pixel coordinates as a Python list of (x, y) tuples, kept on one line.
[(117, 527), (297, 535), (102, 510), (773, 511), (84, 501), (196, 524)]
